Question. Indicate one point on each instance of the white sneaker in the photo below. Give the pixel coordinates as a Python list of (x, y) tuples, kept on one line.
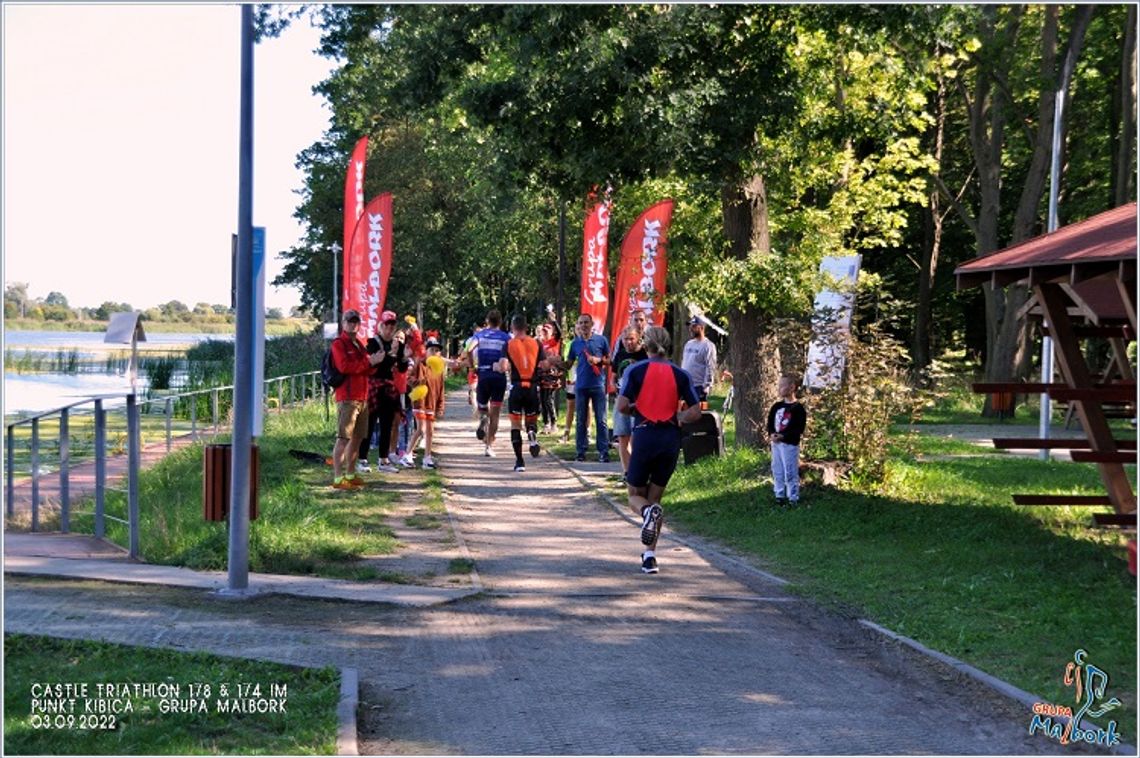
[(429, 462), (407, 461), (488, 452), (386, 466), (362, 467)]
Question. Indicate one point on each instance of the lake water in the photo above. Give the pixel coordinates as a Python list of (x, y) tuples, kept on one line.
[(91, 341), (43, 391)]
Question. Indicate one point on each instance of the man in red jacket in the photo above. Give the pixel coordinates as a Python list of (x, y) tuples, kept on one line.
[(351, 359)]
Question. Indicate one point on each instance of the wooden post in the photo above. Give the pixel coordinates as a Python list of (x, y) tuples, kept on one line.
[(1076, 373)]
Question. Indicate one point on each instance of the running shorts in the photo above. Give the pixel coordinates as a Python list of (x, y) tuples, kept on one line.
[(653, 454), (490, 389), (523, 401)]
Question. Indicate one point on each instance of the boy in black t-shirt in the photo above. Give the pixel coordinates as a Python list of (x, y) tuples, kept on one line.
[(786, 421)]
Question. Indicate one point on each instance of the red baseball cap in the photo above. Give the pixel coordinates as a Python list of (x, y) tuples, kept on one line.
[(388, 316)]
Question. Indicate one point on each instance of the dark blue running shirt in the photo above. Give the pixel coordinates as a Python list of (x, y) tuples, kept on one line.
[(489, 348)]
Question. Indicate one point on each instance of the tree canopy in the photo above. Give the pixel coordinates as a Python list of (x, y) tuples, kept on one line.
[(912, 135)]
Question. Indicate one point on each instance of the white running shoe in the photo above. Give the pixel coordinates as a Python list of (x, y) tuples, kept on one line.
[(407, 461), (429, 462), (362, 467), (651, 517), (488, 452), (386, 466)]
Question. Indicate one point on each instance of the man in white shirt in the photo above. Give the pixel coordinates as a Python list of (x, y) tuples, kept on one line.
[(699, 359)]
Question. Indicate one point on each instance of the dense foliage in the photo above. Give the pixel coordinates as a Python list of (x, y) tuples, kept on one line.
[(912, 135)]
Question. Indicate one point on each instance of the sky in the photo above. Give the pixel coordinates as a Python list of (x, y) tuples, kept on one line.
[(121, 149)]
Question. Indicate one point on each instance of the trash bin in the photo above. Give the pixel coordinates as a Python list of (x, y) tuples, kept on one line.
[(217, 463), (1001, 403)]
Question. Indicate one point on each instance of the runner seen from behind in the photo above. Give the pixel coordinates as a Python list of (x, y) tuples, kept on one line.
[(492, 386), (523, 358), (652, 390)]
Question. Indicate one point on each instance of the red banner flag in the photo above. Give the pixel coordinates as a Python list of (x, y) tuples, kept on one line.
[(641, 275), (595, 297), (368, 263), (354, 192)]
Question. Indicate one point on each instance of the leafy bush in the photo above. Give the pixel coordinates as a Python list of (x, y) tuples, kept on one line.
[(851, 422)]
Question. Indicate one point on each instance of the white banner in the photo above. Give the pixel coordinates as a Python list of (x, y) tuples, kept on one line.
[(827, 353)]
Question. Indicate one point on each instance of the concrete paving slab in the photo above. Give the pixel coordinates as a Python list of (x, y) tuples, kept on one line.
[(132, 572)]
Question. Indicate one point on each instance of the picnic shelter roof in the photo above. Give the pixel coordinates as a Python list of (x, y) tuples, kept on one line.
[(1104, 244)]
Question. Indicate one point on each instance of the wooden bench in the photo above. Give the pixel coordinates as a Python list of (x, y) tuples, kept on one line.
[(1079, 500), (1034, 443), (1097, 456), (1036, 388), (1123, 521), (1115, 393)]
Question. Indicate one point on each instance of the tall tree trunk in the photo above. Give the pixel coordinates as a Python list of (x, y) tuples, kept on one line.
[(755, 354), (987, 115), (932, 245), (1008, 354), (1124, 187)]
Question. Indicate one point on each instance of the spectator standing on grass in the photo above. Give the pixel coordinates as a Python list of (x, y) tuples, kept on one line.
[(699, 359), (591, 352), (404, 422), (428, 409), (787, 419), (550, 379), (384, 400), (651, 392), (466, 360), (352, 360), (637, 320), (630, 351)]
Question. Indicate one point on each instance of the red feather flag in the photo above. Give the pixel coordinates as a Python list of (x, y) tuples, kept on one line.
[(641, 274), (595, 297), (368, 263), (354, 190)]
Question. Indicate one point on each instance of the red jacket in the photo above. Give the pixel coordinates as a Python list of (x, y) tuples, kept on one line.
[(351, 359)]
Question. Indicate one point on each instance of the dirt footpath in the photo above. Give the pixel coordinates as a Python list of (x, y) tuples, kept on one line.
[(570, 649)]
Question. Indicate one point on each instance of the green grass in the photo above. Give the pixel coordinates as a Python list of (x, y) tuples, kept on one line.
[(902, 444), (460, 566), (308, 727), (303, 527), (942, 556), (423, 521), (434, 492), (955, 403)]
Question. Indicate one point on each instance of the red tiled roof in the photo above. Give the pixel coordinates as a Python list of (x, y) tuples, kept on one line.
[(1102, 239)]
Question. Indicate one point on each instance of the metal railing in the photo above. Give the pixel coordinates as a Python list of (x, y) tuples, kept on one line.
[(110, 426)]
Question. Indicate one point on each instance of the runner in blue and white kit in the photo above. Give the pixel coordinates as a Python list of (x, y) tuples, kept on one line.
[(490, 343)]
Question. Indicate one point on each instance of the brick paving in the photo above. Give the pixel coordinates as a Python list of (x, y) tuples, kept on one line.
[(570, 649)]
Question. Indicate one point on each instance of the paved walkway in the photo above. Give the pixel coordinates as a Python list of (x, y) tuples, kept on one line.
[(570, 649), (81, 477)]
